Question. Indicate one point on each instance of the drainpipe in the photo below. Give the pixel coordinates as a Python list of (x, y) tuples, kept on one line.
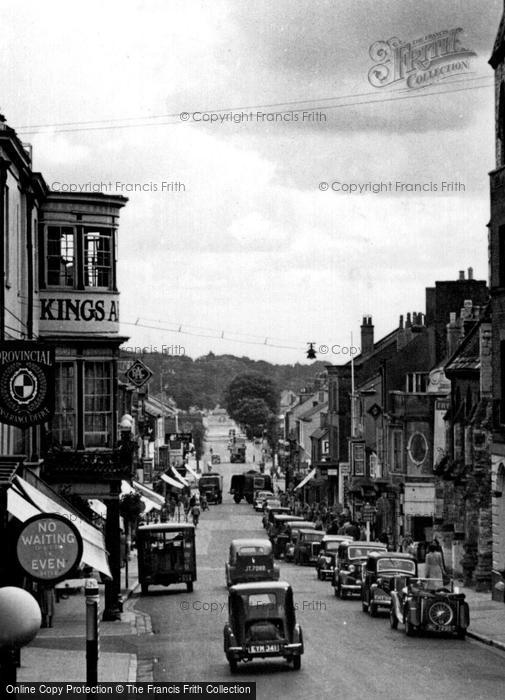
[(4, 164)]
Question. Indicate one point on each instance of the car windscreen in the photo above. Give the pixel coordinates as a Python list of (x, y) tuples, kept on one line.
[(253, 551), (394, 564), (260, 605), (360, 552), (332, 546)]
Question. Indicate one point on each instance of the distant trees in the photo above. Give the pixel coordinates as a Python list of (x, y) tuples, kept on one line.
[(252, 399)]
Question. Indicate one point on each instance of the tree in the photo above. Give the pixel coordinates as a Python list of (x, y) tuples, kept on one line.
[(254, 415), (251, 385)]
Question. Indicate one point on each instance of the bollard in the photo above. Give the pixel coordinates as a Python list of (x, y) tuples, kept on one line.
[(92, 630)]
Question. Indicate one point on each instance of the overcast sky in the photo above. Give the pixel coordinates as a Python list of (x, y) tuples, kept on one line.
[(250, 245)]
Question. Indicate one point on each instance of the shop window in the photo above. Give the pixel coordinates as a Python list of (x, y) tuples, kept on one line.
[(97, 258), (60, 254), (64, 421), (417, 382), (97, 404)]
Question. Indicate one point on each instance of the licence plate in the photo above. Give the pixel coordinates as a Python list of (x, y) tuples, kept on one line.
[(441, 628), (382, 598), (186, 578), (263, 648)]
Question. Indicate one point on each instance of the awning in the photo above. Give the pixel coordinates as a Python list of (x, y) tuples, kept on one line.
[(175, 484), (179, 477), (193, 473), (149, 495), (93, 552), (304, 481), (98, 507)]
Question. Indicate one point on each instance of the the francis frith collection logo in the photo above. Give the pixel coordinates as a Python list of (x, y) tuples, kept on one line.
[(421, 62)]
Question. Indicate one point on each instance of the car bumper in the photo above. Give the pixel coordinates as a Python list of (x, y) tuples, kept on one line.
[(285, 650)]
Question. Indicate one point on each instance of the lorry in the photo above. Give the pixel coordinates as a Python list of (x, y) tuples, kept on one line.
[(245, 485), (237, 449), (211, 485)]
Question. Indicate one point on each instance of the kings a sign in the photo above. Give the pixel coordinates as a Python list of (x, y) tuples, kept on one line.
[(26, 383)]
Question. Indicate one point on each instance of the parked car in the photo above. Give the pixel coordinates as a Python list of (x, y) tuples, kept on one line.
[(260, 497), (307, 545), (424, 604), (290, 537), (166, 555), (325, 562), (270, 511), (347, 576), (262, 624), (378, 571), (250, 560), (277, 531)]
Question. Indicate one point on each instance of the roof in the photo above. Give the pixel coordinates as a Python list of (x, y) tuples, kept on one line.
[(337, 538), (260, 586), (311, 531), (252, 542), (467, 355), (313, 410), (300, 524), (319, 433), (499, 45), (284, 517), (396, 555), (363, 543)]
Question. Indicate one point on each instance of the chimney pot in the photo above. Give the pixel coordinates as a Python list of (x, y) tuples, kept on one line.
[(470, 273), (461, 275), (401, 321)]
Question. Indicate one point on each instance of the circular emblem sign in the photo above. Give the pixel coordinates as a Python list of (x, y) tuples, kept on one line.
[(49, 547)]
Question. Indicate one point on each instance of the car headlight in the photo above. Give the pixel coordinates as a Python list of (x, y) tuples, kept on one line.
[(352, 568)]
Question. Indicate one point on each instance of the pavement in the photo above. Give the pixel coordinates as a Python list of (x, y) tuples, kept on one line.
[(59, 653)]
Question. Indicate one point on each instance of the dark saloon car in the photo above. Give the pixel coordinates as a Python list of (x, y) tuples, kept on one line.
[(307, 545), (378, 572), (250, 560), (262, 624), (270, 511), (325, 563), (291, 537), (427, 604), (347, 576), (278, 532)]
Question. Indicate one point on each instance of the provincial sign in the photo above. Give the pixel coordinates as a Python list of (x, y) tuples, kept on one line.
[(49, 547), (138, 373), (26, 383)]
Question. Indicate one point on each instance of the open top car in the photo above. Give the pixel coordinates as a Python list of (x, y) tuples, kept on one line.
[(262, 624), (347, 576), (250, 560), (428, 604), (325, 562), (378, 571)]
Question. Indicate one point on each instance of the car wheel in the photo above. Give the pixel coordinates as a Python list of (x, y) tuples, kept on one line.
[(343, 592), (319, 577), (233, 665), (144, 588), (364, 606), (393, 620), (372, 609), (461, 634), (189, 586), (297, 663)]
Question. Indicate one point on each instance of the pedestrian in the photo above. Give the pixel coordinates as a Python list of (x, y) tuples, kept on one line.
[(383, 537), (434, 565), (195, 512), (46, 603)]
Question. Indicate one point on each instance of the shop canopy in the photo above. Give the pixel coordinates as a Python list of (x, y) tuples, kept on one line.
[(25, 500), (306, 479), (178, 476), (175, 484), (192, 472), (150, 498)]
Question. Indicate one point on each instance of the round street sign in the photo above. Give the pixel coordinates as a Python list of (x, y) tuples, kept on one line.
[(49, 547)]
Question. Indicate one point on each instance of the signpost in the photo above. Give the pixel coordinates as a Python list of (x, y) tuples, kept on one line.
[(180, 437)]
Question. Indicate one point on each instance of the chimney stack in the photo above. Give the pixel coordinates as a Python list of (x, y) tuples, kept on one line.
[(470, 273), (367, 331), (461, 275), (454, 333)]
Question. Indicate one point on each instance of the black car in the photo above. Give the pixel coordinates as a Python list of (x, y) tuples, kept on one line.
[(262, 624)]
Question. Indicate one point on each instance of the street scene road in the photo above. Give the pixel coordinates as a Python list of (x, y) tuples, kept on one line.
[(347, 653)]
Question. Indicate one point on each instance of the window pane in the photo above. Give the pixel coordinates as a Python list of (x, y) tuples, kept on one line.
[(98, 404), (97, 258), (60, 256), (63, 423)]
